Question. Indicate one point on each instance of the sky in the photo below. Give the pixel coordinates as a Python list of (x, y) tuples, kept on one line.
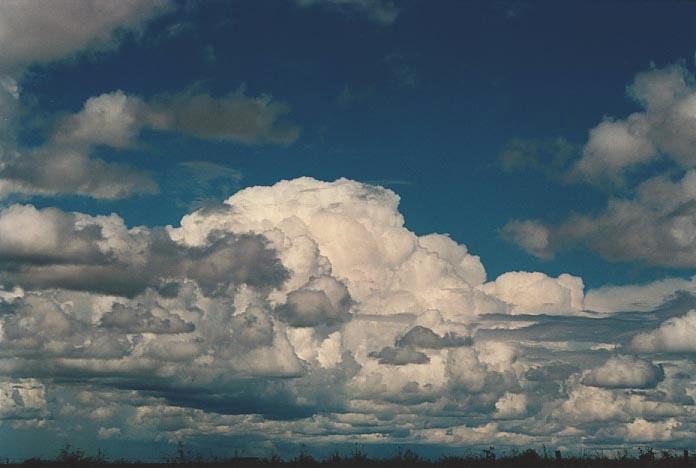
[(254, 226)]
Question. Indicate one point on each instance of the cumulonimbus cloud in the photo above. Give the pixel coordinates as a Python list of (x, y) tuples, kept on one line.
[(295, 308)]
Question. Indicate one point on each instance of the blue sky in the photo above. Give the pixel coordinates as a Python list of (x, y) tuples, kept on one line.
[(546, 137)]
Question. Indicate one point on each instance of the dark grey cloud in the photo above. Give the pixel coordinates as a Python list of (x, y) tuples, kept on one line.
[(323, 301), (37, 328), (552, 371), (400, 356), (422, 337), (74, 252)]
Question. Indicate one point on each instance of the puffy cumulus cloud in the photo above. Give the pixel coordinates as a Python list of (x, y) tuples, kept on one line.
[(307, 312), (116, 119), (380, 11), (665, 126), (48, 30), (537, 293), (655, 226), (675, 335), (625, 372), (109, 119)]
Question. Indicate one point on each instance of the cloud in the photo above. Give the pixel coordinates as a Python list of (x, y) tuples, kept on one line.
[(116, 119), (511, 405), (137, 319), (625, 372), (641, 430), (99, 254), (674, 335), (108, 119), (379, 11), (22, 398), (537, 293), (422, 337), (46, 30), (50, 171), (643, 297), (306, 312), (323, 300), (400, 356), (63, 165), (532, 236), (56, 168), (664, 128), (108, 432), (655, 226), (651, 221)]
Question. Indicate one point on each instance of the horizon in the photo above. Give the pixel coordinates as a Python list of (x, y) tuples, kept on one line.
[(266, 226)]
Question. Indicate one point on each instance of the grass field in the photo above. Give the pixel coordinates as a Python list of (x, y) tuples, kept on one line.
[(529, 458)]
